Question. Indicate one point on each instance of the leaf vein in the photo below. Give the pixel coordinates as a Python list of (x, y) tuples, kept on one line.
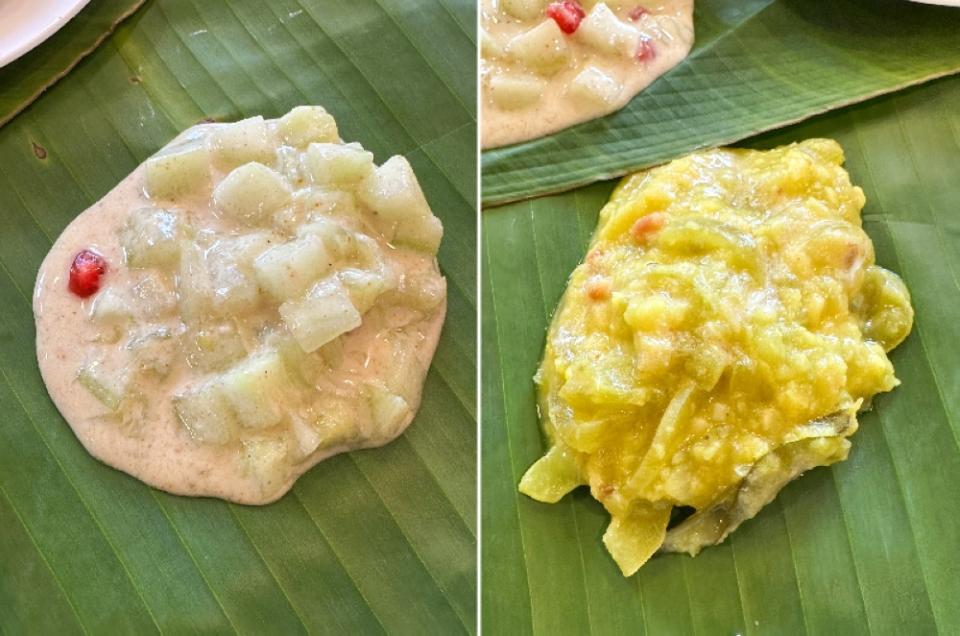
[(510, 452), (43, 557), (83, 501)]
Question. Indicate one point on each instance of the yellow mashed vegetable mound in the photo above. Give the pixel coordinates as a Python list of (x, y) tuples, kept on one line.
[(726, 326)]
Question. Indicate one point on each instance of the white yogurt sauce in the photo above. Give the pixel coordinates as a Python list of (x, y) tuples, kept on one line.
[(551, 97), (147, 440)]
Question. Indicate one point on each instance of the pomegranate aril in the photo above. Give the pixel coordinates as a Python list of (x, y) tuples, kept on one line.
[(85, 273), (638, 12), (566, 14), (646, 50)]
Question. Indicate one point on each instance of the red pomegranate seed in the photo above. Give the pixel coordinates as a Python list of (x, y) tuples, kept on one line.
[(85, 273), (566, 14), (646, 51), (638, 12), (647, 225)]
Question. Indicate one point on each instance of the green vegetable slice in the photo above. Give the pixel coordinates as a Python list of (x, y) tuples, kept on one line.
[(826, 445)]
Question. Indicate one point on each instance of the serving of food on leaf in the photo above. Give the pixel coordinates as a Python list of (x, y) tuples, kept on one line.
[(252, 299), (720, 337), (549, 65)]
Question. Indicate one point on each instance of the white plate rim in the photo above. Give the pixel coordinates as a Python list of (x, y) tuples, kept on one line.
[(42, 34)]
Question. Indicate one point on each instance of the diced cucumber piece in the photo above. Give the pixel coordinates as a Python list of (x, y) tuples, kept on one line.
[(325, 313), (393, 192), (287, 220), (290, 165), (150, 238), (108, 388), (406, 372), (543, 49), (266, 459), (422, 289), (607, 33), (111, 308), (306, 435), (306, 367), (369, 254), (254, 389), (593, 87), (524, 9), (316, 202), (177, 172), (340, 242), (514, 91), (243, 250), (153, 349), (230, 265), (364, 287), (193, 282), (153, 294), (251, 194), (422, 234), (337, 164), (389, 411), (204, 412), (337, 421), (307, 124), (213, 347), (287, 270), (489, 47), (242, 142), (234, 290)]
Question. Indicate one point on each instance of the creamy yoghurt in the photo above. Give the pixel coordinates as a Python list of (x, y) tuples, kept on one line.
[(546, 66), (270, 298)]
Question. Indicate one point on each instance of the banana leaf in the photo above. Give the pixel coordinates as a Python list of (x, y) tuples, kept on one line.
[(371, 542), (756, 65), (867, 546), (24, 79)]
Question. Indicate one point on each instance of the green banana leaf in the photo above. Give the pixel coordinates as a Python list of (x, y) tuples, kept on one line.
[(24, 79), (756, 65), (371, 542), (868, 546)]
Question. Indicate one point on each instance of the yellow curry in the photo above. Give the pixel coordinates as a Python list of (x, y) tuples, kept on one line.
[(724, 330)]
